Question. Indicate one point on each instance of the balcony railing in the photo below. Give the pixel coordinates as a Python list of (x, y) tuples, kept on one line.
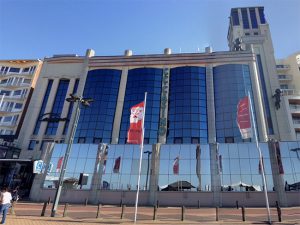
[(295, 107), (282, 67), (283, 77), (290, 92)]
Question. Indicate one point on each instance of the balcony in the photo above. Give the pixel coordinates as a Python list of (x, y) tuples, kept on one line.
[(283, 77), (289, 91), (295, 108), (282, 67)]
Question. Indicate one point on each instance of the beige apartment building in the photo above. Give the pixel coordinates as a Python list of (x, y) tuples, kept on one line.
[(288, 74)]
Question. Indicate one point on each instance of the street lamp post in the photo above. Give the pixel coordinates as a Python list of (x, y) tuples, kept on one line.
[(80, 101), (149, 153)]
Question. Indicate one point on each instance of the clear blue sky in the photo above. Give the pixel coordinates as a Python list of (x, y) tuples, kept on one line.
[(33, 29)]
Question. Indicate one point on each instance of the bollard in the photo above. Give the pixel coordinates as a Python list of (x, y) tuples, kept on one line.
[(217, 213), (44, 209), (86, 201), (65, 210), (123, 211), (49, 200), (98, 211), (243, 213), (154, 212), (198, 204), (237, 204), (182, 213), (278, 212)]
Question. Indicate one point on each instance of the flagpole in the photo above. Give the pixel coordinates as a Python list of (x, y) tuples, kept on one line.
[(140, 164), (260, 160)]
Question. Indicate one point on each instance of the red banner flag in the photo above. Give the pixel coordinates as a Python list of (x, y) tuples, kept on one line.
[(59, 164), (243, 118), (135, 132), (176, 166), (117, 164)]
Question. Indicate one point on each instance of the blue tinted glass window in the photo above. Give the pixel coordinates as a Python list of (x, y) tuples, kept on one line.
[(253, 18), (57, 106), (245, 19), (187, 115), (139, 81), (43, 107), (265, 96), (32, 144), (235, 17), (231, 83), (70, 109), (96, 121), (262, 15)]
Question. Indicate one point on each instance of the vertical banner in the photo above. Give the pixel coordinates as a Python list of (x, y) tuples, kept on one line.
[(198, 165), (117, 165), (243, 118), (220, 164), (278, 156), (59, 164), (259, 165), (135, 132), (176, 166)]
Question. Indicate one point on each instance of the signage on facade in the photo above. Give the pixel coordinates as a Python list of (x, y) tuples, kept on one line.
[(164, 106)]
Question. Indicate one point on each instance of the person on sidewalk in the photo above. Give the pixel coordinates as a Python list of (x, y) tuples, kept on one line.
[(5, 201)]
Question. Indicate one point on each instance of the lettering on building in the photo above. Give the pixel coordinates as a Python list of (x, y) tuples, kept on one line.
[(164, 106)]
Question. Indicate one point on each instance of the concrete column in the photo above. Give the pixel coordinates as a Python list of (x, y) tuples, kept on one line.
[(97, 176), (119, 108), (154, 173), (257, 98), (211, 120), (39, 179), (278, 180), (215, 174)]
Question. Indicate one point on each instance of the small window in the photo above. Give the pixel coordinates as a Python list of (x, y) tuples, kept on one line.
[(255, 33), (17, 92), (26, 81), (18, 106), (32, 144), (178, 140), (97, 140), (284, 86), (26, 70), (146, 140), (14, 70), (229, 140), (247, 34), (81, 140), (195, 140)]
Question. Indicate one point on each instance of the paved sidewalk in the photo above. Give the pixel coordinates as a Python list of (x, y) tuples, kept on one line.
[(29, 214)]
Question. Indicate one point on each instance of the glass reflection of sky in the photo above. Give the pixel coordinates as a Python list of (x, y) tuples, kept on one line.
[(239, 164)]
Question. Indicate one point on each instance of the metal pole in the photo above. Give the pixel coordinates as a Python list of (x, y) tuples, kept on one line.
[(140, 165), (64, 165), (260, 160)]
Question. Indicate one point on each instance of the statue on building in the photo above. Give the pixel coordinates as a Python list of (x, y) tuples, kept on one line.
[(237, 45), (277, 97)]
